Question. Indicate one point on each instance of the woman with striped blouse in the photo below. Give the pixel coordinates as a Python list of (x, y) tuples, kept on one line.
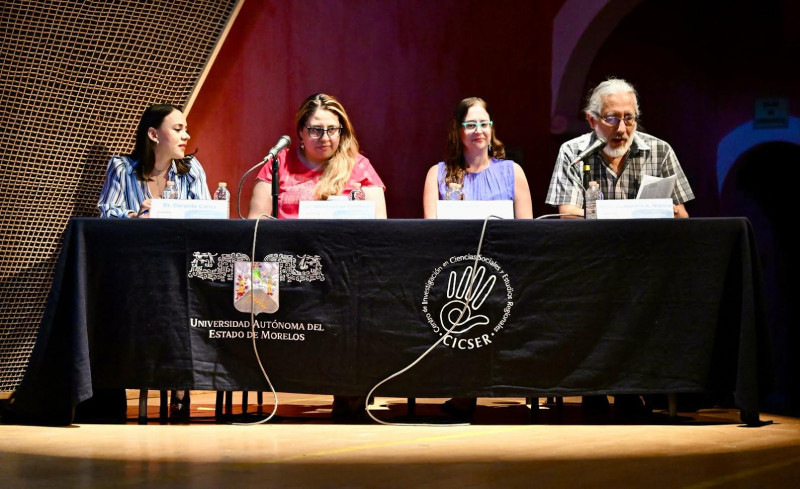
[(159, 156)]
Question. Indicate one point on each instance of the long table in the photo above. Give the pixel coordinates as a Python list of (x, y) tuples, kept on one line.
[(550, 308)]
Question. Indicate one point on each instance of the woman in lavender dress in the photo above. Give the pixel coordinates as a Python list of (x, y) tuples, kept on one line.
[(476, 161)]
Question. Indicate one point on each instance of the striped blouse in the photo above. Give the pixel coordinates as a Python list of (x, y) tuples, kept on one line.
[(124, 192)]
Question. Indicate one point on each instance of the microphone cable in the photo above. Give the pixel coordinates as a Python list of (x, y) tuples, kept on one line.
[(253, 329), (241, 181), (283, 143), (448, 332), (559, 214)]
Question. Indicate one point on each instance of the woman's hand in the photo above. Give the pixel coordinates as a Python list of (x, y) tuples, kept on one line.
[(144, 210)]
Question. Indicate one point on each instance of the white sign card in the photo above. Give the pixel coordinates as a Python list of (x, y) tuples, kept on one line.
[(474, 209), (336, 209), (188, 209), (634, 209)]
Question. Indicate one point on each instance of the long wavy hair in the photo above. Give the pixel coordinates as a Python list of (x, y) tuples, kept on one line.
[(454, 161), (144, 149), (337, 170)]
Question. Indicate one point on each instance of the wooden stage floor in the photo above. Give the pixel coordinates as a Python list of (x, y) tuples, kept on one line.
[(502, 447)]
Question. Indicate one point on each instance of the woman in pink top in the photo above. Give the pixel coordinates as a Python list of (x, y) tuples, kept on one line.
[(327, 163)]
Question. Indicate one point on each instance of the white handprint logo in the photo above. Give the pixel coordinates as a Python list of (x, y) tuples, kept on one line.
[(455, 300), (466, 296)]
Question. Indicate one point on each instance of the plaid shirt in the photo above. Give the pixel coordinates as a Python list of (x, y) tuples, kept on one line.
[(648, 155)]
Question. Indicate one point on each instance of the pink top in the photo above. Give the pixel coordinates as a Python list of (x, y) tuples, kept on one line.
[(296, 182)]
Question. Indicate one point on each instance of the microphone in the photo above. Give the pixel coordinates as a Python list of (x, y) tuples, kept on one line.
[(597, 144), (282, 144)]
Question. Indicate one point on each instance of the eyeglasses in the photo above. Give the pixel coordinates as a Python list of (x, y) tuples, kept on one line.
[(316, 132), (613, 121), (472, 126)]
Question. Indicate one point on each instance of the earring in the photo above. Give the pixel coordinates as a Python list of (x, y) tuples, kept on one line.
[(490, 150), (302, 146)]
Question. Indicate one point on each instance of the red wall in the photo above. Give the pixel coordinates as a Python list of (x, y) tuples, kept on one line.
[(399, 67)]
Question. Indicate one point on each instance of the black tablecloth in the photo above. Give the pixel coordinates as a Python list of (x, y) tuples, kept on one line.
[(561, 308)]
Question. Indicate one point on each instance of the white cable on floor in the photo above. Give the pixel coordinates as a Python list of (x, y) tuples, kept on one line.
[(447, 333)]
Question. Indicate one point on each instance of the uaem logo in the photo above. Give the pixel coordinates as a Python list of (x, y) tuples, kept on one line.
[(472, 302)]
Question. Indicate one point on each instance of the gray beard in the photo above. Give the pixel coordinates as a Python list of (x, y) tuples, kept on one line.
[(616, 152)]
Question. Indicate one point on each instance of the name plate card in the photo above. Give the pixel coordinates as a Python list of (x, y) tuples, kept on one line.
[(474, 209), (634, 209), (188, 209), (336, 209)]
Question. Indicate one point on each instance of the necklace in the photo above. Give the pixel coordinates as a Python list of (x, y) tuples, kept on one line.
[(156, 172), (156, 185)]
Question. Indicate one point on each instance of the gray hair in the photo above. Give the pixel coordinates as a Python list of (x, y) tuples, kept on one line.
[(612, 85)]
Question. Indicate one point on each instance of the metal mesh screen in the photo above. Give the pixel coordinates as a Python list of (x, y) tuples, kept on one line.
[(75, 77)]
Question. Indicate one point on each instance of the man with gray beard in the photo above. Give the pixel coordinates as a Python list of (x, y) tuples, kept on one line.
[(612, 112)]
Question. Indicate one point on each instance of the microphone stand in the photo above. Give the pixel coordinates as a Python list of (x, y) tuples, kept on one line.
[(275, 187), (283, 143), (587, 169)]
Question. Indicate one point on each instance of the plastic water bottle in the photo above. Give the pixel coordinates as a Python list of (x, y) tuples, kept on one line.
[(454, 192), (357, 193), (222, 193), (170, 191), (593, 194)]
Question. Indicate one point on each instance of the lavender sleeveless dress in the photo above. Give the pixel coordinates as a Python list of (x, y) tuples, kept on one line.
[(496, 182)]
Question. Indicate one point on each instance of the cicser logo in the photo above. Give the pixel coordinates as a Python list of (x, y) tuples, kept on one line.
[(472, 302)]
